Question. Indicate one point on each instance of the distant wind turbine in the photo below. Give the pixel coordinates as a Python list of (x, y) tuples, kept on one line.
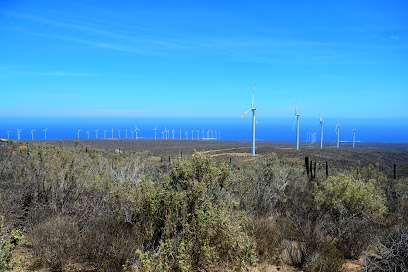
[(208, 134), (132, 132), (136, 130), (87, 133), (104, 133), (354, 136), (78, 132), (155, 130), (8, 134), (119, 133), (32, 134), (173, 133), (112, 133), (253, 120), (202, 132), (192, 134), (96, 133), (18, 133), (338, 134), (180, 133), (321, 131), (45, 134), (219, 135), (198, 134), (126, 133), (297, 127), (186, 133)]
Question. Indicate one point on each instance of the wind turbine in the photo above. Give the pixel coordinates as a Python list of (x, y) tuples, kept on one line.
[(32, 134), (202, 132), (354, 135), (87, 133), (119, 133), (112, 133), (192, 134), (104, 133), (45, 134), (96, 133), (321, 131), (78, 132), (136, 130), (338, 134), (18, 133), (212, 134), (253, 120), (297, 127), (219, 135), (186, 133), (155, 130), (198, 134), (173, 133), (180, 133), (133, 132), (8, 134), (126, 133)]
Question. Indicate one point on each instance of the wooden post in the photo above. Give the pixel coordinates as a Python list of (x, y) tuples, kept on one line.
[(169, 159), (395, 171), (314, 175), (28, 149), (307, 165), (327, 169)]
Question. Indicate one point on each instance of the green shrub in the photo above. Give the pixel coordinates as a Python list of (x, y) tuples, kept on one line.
[(8, 242), (355, 197)]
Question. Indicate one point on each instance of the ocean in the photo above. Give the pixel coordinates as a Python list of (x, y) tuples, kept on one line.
[(367, 130)]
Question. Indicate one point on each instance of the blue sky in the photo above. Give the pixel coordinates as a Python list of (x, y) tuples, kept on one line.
[(202, 58)]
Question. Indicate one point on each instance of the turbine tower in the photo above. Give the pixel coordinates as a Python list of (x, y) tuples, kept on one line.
[(133, 132), (87, 133), (126, 133), (104, 133), (155, 131), (96, 133), (338, 134), (32, 134), (219, 135), (198, 134), (112, 133), (297, 127), (18, 133), (8, 134), (354, 136), (78, 132), (180, 133), (321, 131), (186, 133), (119, 133), (192, 134), (45, 134), (173, 133), (253, 121), (202, 132)]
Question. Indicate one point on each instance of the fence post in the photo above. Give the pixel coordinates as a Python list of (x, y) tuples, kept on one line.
[(395, 171), (28, 149), (327, 169)]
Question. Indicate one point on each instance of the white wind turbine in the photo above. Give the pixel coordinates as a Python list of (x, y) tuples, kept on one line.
[(126, 133), (104, 133), (136, 130), (32, 134), (119, 133), (354, 135), (253, 120), (96, 133), (186, 133), (321, 131), (192, 134), (208, 134), (45, 134), (78, 132), (132, 132), (87, 133), (180, 133), (338, 134), (18, 133), (212, 134), (173, 133), (8, 134), (297, 127), (198, 134), (155, 130), (112, 133)]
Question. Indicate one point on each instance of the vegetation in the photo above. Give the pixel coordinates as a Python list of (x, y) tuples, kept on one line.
[(136, 211)]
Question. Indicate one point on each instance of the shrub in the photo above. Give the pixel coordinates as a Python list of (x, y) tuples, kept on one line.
[(392, 253), (8, 242)]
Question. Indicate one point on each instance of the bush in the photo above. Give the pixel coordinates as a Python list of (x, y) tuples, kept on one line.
[(8, 242), (392, 253)]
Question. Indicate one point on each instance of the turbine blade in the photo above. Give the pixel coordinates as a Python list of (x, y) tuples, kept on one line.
[(294, 121), (245, 113), (253, 95)]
